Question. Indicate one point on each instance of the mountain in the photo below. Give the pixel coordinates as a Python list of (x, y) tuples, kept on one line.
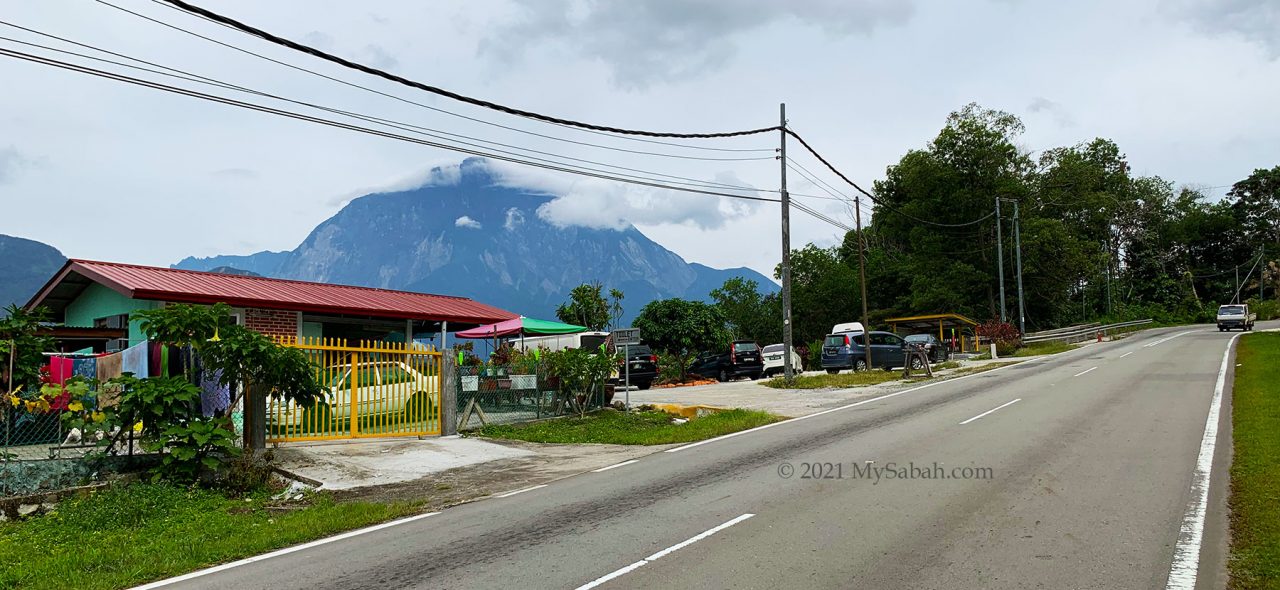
[(25, 265), (481, 239)]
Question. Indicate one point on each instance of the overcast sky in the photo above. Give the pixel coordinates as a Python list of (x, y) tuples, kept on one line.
[(99, 169)]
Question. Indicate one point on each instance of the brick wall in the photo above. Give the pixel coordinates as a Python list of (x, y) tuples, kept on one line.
[(271, 322)]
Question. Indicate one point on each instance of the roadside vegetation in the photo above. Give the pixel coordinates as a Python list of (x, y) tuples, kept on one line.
[(130, 534), (846, 380), (630, 428), (1039, 348), (1255, 471)]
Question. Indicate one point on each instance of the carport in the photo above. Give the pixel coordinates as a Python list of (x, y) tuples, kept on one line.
[(951, 325)]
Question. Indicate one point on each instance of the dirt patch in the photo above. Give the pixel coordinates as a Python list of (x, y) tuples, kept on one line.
[(548, 462)]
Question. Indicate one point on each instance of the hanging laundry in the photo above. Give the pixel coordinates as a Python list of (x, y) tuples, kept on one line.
[(60, 369), (85, 367), (109, 366), (134, 360), (155, 364), (215, 398)]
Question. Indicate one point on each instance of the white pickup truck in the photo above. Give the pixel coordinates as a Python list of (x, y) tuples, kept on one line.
[(1235, 315)]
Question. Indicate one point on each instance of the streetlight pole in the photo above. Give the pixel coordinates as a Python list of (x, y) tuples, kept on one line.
[(862, 276)]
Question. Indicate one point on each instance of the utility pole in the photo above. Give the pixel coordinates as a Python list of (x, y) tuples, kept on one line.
[(1000, 260), (1236, 299), (786, 248), (862, 279), (1262, 271), (1017, 240)]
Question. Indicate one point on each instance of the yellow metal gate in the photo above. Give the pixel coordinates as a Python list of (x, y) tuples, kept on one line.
[(370, 390)]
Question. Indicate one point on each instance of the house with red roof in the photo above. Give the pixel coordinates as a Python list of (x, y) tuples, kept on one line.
[(97, 301)]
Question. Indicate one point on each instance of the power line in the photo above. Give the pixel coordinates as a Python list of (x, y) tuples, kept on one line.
[(451, 113), (426, 131), (440, 91), (357, 128)]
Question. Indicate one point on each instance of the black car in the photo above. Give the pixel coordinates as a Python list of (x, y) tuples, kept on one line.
[(938, 350), (641, 366), (742, 359)]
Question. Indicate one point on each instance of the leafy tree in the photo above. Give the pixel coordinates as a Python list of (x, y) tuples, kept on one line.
[(824, 292), (588, 307), (22, 345), (682, 329), (749, 315)]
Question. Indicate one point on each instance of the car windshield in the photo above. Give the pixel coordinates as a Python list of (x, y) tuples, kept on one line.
[(917, 338), (1231, 309), (772, 348), (745, 347)]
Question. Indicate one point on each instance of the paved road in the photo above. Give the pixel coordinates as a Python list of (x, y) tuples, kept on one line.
[(1091, 474)]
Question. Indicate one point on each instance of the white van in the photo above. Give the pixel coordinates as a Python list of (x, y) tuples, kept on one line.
[(584, 340), (847, 327)]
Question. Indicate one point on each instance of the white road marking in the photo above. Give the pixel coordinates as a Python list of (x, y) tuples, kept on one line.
[(1084, 371), (1163, 340), (520, 491), (615, 466), (285, 551), (1126, 354), (1186, 553), (991, 410), (663, 553), (844, 407)]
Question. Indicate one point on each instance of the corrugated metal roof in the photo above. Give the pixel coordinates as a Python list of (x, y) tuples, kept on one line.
[(187, 286)]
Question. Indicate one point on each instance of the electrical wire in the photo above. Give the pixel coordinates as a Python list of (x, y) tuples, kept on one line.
[(425, 131), (264, 35), (341, 125), (454, 114)]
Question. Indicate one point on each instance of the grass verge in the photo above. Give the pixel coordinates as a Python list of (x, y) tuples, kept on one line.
[(850, 379), (1255, 471), (634, 428), (131, 534), (1040, 348)]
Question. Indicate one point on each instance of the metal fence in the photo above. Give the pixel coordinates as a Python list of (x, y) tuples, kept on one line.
[(1080, 332), (373, 389), (489, 394)]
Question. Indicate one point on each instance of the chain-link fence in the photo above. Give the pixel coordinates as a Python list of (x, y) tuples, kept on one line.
[(490, 394)]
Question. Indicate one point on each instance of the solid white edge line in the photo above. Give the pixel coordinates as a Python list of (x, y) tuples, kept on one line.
[(991, 410), (1084, 371), (844, 407), (615, 466), (279, 552), (520, 491), (656, 556), (1186, 553)]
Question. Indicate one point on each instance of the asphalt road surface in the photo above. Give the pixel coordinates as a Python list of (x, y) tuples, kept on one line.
[(1075, 471)]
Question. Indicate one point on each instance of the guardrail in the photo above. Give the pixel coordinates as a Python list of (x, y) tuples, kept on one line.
[(1078, 333)]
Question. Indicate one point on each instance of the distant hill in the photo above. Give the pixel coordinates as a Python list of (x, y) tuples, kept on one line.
[(229, 270), (25, 266), (481, 239)]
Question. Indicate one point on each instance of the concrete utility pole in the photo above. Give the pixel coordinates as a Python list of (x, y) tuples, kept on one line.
[(1262, 271), (1236, 299), (862, 279), (1000, 259), (1017, 240), (786, 249)]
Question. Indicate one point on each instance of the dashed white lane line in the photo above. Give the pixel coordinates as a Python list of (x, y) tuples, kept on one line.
[(1126, 354), (520, 491), (669, 550), (1186, 553), (1084, 371), (1166, 339), (991, 410), (615, 466)]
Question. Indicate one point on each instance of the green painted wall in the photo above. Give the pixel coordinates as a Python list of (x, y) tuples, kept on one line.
[(98, 301), (312, 330)]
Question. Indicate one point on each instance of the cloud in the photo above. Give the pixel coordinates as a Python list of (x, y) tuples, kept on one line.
[(515, 218), (235, 174), (1257, 21), (13, 163), (672, 40), (1060, 114), (467, 222), (376, 56), (603, 205), (444, 174)]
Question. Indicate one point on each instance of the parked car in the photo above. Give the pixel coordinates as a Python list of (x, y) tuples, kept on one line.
[(1235, 316), (773, 360), (848, 351), (742, 359), (938, 350), (643, 366), (394, 389)]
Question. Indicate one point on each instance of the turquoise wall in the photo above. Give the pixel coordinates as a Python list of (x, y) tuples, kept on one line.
[(98, 301)]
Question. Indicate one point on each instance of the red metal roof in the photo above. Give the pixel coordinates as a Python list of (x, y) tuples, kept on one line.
[(187, 286)]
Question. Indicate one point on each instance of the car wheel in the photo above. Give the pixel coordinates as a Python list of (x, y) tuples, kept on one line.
[(644, 385), (916, 363), (722, 376), (860, 365), (756, 376), (832, 371), (419, 408)]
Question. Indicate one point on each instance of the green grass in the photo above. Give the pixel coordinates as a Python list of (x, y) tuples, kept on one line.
[(634, 428), (1039, 348), (1255, 471), (839, 380), (130, 534)]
